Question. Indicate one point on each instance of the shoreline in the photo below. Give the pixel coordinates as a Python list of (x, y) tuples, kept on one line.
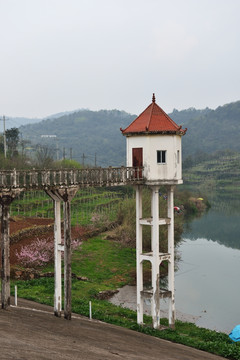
[(126, 297)]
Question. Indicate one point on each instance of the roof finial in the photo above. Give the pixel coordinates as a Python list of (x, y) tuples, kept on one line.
[(153, 98)]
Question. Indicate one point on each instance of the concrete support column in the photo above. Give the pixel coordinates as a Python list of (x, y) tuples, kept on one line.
[(65, 195), (5, 248), (155, 304), (57, 252), (171, 252), (57, 259), (138, 253), (67, 262), (5, 201)]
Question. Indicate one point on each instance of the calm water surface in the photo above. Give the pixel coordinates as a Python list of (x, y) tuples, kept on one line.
[(207, 280)]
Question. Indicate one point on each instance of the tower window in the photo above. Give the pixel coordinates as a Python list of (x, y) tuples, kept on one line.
[(161, 156), (178, 156)]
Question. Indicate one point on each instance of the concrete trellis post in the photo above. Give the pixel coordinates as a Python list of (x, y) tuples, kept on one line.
[(6, 199), (57, 259), (67, 261), (65, 195), (5, 248), (57, 253)]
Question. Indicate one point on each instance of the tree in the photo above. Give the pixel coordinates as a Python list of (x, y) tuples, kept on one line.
[(44, 156), (1, 144), (12, 140), (188, 162)]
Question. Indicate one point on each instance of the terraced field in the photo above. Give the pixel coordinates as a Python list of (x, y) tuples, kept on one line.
[(86, 207), (221, 173)]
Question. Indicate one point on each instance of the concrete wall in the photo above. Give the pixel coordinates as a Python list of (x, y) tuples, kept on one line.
[(172, 169)]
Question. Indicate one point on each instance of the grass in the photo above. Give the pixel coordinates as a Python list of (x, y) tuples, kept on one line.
[(98, 258), (107, 266)]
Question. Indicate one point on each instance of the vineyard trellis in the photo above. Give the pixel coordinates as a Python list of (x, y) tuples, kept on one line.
[(87, 206), (61, 187)]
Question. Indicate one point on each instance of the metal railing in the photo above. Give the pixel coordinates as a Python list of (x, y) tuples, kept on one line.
[(46, 179)]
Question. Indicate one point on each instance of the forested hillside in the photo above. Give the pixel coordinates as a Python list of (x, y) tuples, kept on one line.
[(94, 137), (210, 130), (218, 171)]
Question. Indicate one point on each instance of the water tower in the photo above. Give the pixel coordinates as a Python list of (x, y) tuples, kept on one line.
[(154, 142)]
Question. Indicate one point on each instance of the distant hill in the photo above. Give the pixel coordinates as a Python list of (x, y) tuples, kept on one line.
[(12, 121), (218, 171), (16, 122), (183, 117), (210, 130), (97, 132)]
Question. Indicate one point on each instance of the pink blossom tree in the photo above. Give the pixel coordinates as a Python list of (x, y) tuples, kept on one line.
[(39, 253)]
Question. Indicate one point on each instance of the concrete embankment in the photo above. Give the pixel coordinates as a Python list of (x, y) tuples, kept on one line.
[(31, 331)]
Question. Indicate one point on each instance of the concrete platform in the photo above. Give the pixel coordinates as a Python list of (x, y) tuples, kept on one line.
[(31, 331)]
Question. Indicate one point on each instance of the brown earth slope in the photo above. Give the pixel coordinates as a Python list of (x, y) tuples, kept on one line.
[(24, 231)]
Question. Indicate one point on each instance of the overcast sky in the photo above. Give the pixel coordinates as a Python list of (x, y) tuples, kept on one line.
[(62, 55)]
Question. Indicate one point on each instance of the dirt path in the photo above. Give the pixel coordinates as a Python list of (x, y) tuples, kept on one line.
[(31, 331)]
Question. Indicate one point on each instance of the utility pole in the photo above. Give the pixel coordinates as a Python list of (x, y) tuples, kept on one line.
[(22, 148), (64, 154), (95, 163), (22, 144), (57, 149), (4, 137), (83, 157), (70, 153)]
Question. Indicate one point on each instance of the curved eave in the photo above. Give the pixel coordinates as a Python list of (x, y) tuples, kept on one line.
[(167, 132)]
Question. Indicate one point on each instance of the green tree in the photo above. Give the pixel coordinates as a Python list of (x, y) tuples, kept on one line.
[(12, 140), (44, 156), (1, 144)]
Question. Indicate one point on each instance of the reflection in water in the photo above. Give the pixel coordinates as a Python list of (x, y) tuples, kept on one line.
[(206, 284), (221, 223), (225, 202), (208, 272), (207, 278)]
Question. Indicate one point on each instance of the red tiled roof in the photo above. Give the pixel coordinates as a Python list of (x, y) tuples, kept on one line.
[(153, 120)]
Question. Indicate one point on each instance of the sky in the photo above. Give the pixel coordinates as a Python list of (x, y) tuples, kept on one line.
[(63, 55)]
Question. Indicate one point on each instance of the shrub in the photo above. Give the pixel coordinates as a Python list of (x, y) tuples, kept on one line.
[(126, 217), (67, 164)]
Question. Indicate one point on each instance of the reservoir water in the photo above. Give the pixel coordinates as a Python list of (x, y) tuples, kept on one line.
[(207, 276), (207, 279)]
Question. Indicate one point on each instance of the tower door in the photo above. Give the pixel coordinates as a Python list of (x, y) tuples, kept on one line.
[(137, 160)]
